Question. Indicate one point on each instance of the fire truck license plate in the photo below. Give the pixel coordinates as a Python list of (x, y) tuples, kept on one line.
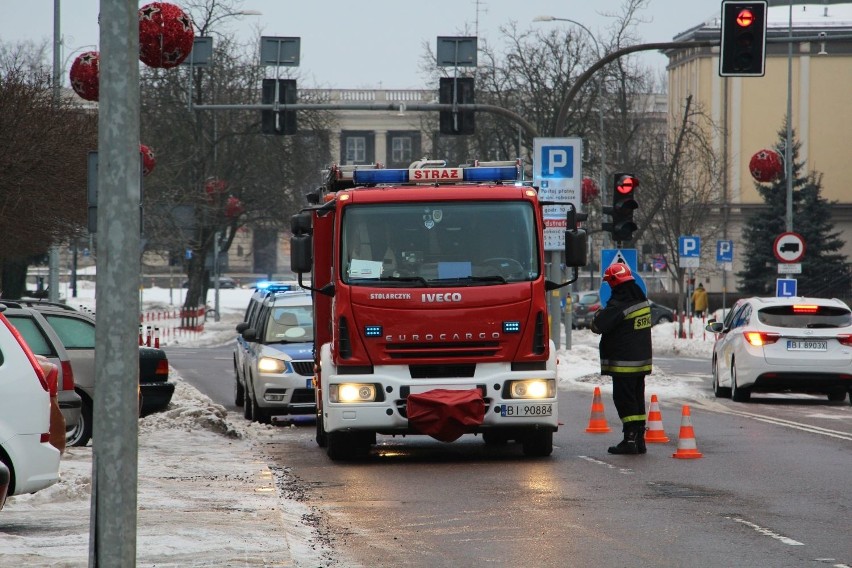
[(525, 410)]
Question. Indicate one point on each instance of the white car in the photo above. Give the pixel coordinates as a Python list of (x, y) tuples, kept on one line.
[(276, 346), (783, 344), (24, 416)]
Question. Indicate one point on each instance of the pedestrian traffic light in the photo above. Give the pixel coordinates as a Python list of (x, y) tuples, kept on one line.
[(743, 52), (456, 91), (282, 121), (623, 205)]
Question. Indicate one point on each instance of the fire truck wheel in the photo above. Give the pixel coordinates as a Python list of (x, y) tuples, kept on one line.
[(346, 446), (322, 437), (538, 443)]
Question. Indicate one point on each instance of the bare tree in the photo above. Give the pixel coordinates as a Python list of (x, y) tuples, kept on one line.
[(209, 161), (44, 141), (681, 183)]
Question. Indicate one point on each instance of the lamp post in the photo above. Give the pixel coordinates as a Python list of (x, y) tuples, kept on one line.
[(598, 53), (602, 173)]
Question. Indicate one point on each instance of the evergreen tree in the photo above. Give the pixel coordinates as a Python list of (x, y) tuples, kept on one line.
[(825, 271)]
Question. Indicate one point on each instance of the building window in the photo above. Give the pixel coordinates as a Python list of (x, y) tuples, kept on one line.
[(356, 149), (402, 148)]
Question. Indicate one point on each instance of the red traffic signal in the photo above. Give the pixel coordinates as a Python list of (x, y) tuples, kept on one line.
[(745, 18), (743, 42), (625, 184)]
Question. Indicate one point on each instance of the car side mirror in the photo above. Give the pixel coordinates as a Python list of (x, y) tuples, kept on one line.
[(249, 334), (242, 326), (714, 327)]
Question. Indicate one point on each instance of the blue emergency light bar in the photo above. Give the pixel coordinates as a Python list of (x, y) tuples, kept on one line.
[(481, 174)]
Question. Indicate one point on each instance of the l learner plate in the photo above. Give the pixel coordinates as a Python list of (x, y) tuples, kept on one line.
[(525, 410), (806, 345)]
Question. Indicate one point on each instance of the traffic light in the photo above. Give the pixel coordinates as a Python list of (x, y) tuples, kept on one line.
[(281, 122), (460, 91), (743, 52), (623, 205)]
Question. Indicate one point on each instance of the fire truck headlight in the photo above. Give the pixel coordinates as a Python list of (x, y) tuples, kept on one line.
[(271, 365), (352, 392), (532, 388)]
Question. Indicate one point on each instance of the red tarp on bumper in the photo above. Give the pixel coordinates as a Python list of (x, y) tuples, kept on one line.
[(445, 414)]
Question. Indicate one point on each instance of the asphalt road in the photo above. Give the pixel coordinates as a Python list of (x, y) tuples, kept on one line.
[(771, 489)]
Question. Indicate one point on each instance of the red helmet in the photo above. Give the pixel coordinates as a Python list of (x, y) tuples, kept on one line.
[(617, 274)]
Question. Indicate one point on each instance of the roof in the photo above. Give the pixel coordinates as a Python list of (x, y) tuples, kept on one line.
[(805, 17)]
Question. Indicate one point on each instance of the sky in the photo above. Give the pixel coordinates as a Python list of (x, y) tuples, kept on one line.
[(205, 495), (372, 43)]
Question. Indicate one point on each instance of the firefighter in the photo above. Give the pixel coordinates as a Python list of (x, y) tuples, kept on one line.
[(625, 352)]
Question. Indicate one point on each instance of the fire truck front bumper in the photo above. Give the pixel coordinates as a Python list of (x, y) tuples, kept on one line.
[(379, 403)]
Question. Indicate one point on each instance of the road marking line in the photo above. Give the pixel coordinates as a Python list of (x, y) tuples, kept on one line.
[(767, 532), (721, 409)]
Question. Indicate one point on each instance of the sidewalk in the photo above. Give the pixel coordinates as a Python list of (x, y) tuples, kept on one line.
[(205, 498)]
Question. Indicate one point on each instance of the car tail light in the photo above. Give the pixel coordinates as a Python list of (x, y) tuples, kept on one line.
[(759, 338), (845, 339), (44, 438), (162, 368), (594, 308), (67, 376), (805, 309)]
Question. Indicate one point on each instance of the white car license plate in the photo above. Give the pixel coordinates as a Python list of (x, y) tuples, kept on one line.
[(525, 410), (807, 345)]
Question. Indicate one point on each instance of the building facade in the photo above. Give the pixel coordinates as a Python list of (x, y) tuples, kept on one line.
[(748, 113)]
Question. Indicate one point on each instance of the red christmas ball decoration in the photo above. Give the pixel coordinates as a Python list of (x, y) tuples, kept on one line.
[(149, 160), (233, 207), (85, 75), (165, 35), (214, 188), (590, 190), (766, 165)]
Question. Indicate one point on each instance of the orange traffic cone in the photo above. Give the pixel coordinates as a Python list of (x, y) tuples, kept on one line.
[(597, 421), (655, 433), (686, 447)]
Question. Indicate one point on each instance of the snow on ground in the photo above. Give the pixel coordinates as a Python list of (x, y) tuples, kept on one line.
[(205, 496)]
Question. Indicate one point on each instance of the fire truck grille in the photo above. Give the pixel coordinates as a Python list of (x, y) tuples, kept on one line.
[(441, 371), (443, 350), (304, 368)]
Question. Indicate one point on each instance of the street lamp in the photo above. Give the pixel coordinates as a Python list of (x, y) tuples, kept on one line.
[(556, 259), (598, 52)]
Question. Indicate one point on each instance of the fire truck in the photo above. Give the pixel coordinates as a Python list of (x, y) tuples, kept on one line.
[(430, 305)]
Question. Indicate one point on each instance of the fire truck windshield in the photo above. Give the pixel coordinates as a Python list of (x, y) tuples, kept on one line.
[(439, 244)]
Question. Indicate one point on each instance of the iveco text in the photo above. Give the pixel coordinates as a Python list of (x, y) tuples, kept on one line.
[(451, 297)]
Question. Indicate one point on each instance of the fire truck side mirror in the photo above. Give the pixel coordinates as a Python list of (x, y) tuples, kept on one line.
[(301, 258), (576, 248), (301, 243)]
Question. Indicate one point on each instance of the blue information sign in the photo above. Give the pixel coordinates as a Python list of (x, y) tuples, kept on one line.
[(624, 256), (785, 287)]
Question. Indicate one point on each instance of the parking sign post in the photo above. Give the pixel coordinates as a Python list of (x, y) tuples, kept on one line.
[(557, 172)]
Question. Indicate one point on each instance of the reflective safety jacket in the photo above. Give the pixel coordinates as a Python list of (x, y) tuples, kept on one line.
[(625, 328)]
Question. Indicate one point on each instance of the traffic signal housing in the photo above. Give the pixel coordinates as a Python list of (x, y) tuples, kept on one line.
[(282, 121), (456, 90), (623, 205), (743, 51)]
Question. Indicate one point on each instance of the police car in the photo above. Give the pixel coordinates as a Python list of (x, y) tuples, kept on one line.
[(273, 355)]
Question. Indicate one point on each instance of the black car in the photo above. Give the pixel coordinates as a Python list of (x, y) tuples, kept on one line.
[(661, 314)]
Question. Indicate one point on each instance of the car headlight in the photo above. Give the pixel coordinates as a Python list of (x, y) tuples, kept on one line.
[(532, 388), (352, 392), (271, 365)]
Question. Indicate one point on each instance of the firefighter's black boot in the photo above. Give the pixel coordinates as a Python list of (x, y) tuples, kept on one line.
[(629, 444), (640, 439)]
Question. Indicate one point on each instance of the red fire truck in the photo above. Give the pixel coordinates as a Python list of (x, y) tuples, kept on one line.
[(430, 303)]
